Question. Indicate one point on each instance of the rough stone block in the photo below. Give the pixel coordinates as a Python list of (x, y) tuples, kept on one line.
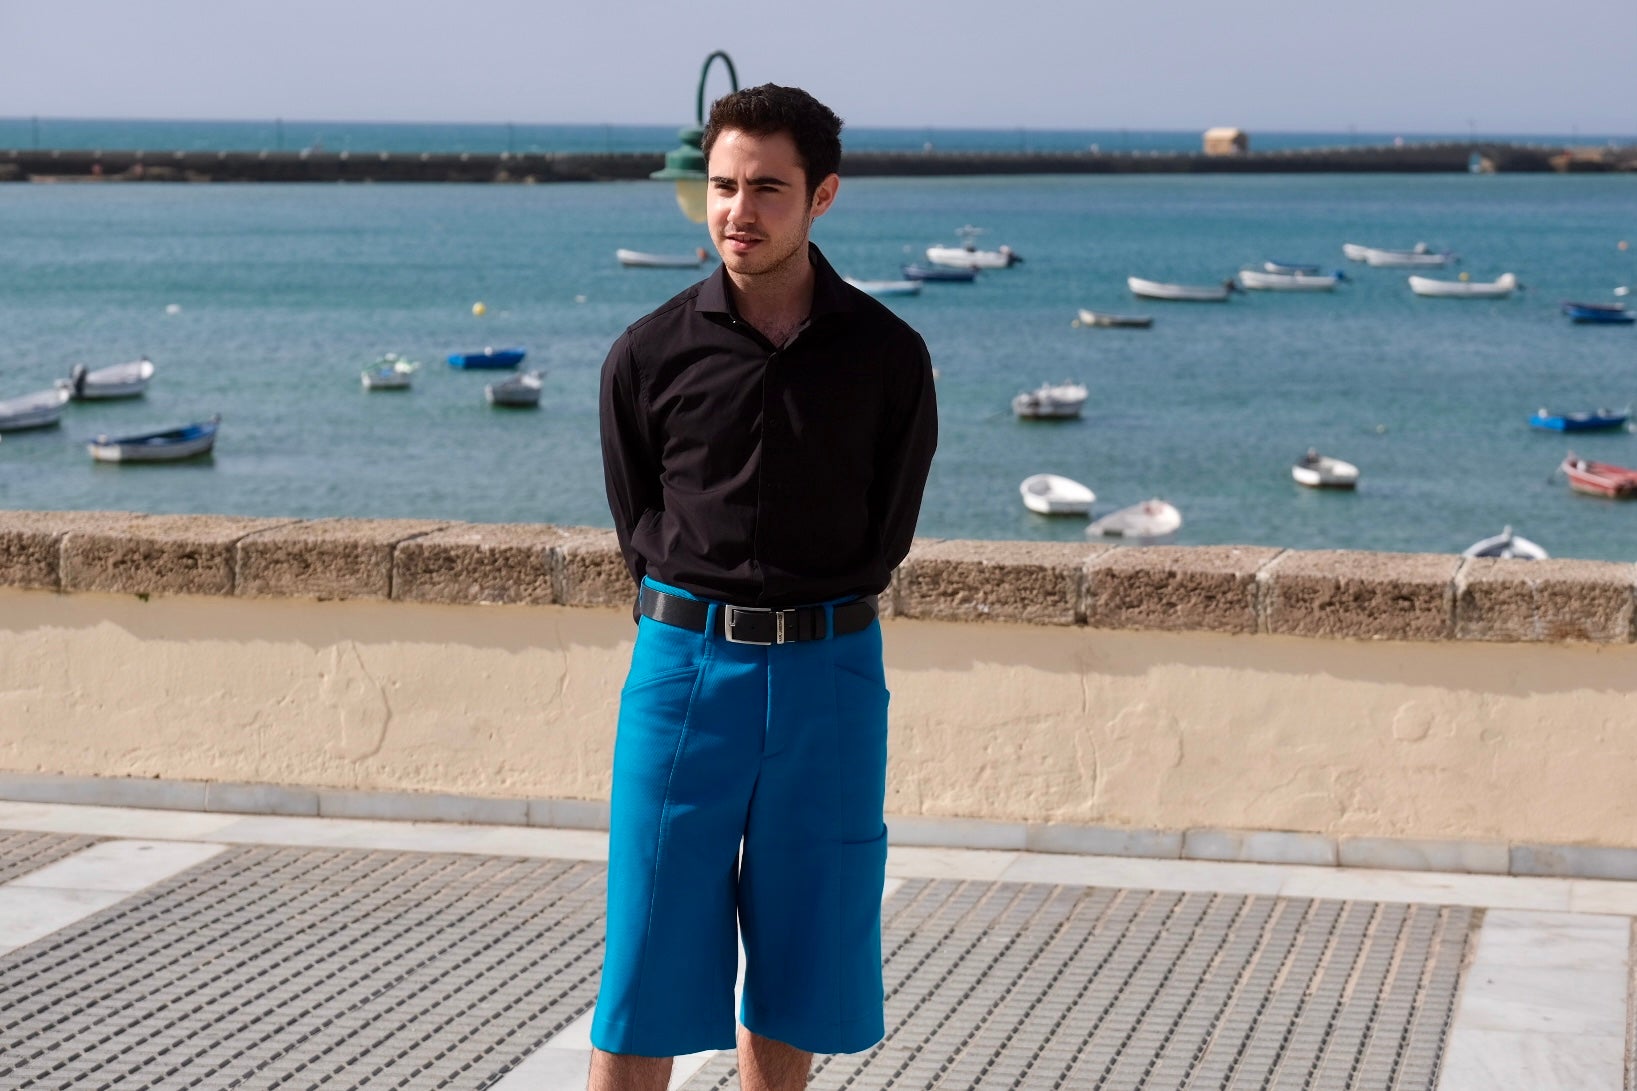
[(888, 604), (1545, 601), (1182, 588), (1360, 595), (1259, 847), (1404, 854), (590, 570), (326, 558), (474, 563), (31, 544), (1104, 841), (1033, 582), (157, 554)]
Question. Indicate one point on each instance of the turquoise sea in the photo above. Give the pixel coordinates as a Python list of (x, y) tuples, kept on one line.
[(285, 292)]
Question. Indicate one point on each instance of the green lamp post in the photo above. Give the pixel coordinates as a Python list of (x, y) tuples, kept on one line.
[(685, 164)]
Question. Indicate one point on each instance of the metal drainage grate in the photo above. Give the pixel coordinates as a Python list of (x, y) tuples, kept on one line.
[(1004, 985), (298, 968), (21, 853)]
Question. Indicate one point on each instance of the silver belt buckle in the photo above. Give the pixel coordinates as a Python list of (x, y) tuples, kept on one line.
[(731, 619)]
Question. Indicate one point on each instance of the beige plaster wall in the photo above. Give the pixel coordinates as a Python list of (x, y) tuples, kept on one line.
[(1132, 728)]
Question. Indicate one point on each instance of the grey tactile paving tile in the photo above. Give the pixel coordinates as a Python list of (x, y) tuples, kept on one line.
[(304, 968), (21, 853), (1028, 986)]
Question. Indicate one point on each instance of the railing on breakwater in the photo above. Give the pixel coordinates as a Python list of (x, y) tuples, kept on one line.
[(346, 166)]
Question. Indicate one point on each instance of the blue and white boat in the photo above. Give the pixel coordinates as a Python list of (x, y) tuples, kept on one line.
[(939, 273), (1583, 421), (172, 445), (490, 358), (1602, 314)]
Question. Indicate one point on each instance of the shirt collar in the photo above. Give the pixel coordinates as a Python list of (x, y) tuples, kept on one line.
[(830, 295)]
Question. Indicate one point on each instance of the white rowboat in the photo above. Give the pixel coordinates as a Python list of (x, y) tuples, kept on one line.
[(1149, 521), (1499, 288), (1115, 321), (1506, 544), (41, 409), (886, 287), (1049, 494), (116, 381), (639, 259), (1187, 293), (1408, 259), (1051, 401), (1259, 280), (390, 372), (519, 391), (1318, 471)]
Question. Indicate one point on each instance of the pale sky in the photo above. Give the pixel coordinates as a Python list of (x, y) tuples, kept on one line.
[(1375, 65)]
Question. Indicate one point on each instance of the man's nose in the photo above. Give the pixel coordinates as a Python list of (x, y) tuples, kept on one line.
[(742, 209)]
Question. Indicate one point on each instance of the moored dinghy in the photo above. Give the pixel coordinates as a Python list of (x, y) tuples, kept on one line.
[(520, 391), (171, 445), (1318, 471), (1182, 293), (1499, 288), (1598, 314), (1506, 544), (41, 409), (116, 381), (488, 359), (1051, 401), (1599, 478), (1104, 320), (1150, 521), (642, 259), (1263, 280), (1051, 494), (885, 287), (944, 274), (1585, 420), (390, 372), (968, 256)]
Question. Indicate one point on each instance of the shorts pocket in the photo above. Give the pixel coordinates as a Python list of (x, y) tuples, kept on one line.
[(863, 867)]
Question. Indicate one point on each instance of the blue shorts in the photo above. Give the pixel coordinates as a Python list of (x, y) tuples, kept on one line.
[(782, 749)]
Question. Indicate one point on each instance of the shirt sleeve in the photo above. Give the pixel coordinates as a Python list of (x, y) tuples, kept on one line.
[(905, 454), (630, 471)]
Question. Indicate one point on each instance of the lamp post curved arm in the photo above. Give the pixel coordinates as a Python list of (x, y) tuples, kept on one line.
[(733, 78)]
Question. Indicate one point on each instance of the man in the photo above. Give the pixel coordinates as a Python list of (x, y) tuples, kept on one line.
[(766, 439)]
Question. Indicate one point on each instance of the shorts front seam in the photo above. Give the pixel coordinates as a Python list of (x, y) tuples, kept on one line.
[(665, 813)]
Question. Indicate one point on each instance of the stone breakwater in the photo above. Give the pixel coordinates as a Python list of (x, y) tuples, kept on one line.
[(350, 166), (1206, 589)]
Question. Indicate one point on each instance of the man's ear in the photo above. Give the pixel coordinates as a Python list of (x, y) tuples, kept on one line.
[(825, 195)]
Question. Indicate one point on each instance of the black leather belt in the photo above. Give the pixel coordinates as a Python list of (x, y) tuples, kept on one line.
[(756, 624)]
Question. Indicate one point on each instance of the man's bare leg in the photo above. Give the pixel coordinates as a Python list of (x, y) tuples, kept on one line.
[(769, 1065), (628, 1072)]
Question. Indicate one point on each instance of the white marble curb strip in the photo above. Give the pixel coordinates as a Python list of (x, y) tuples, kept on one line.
[(1543, 1005), (55, 896)]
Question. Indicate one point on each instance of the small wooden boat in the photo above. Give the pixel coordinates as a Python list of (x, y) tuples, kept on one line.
[(116, 381), (968, 256), (390, 372), (172, 445), (1599, 314), (42, 409), (489, 358), (1260, 280), (1586, 420), (1600, 478), (1499, 288), (1420, 257), (885, 287), (1506, 544), (1051, 401), (1149, 521), (640, 259), (1115, 321), (1049, 494), (519, 391), (1318, 471), (1184, 293), (940, 273)]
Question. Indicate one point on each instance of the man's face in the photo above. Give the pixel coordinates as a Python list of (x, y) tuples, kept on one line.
[(758, 210)]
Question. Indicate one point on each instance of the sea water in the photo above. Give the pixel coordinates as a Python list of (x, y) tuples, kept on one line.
[(263, 302)]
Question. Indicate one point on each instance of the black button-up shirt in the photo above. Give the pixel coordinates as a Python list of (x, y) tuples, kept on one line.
[(763, 475)]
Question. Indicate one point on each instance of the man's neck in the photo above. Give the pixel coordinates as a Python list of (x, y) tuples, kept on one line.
[(776, 302)]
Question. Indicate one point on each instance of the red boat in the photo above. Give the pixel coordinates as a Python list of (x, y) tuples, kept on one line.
[(1600, 478)]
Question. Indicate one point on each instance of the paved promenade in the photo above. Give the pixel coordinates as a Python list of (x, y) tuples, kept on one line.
[(168, 950)]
